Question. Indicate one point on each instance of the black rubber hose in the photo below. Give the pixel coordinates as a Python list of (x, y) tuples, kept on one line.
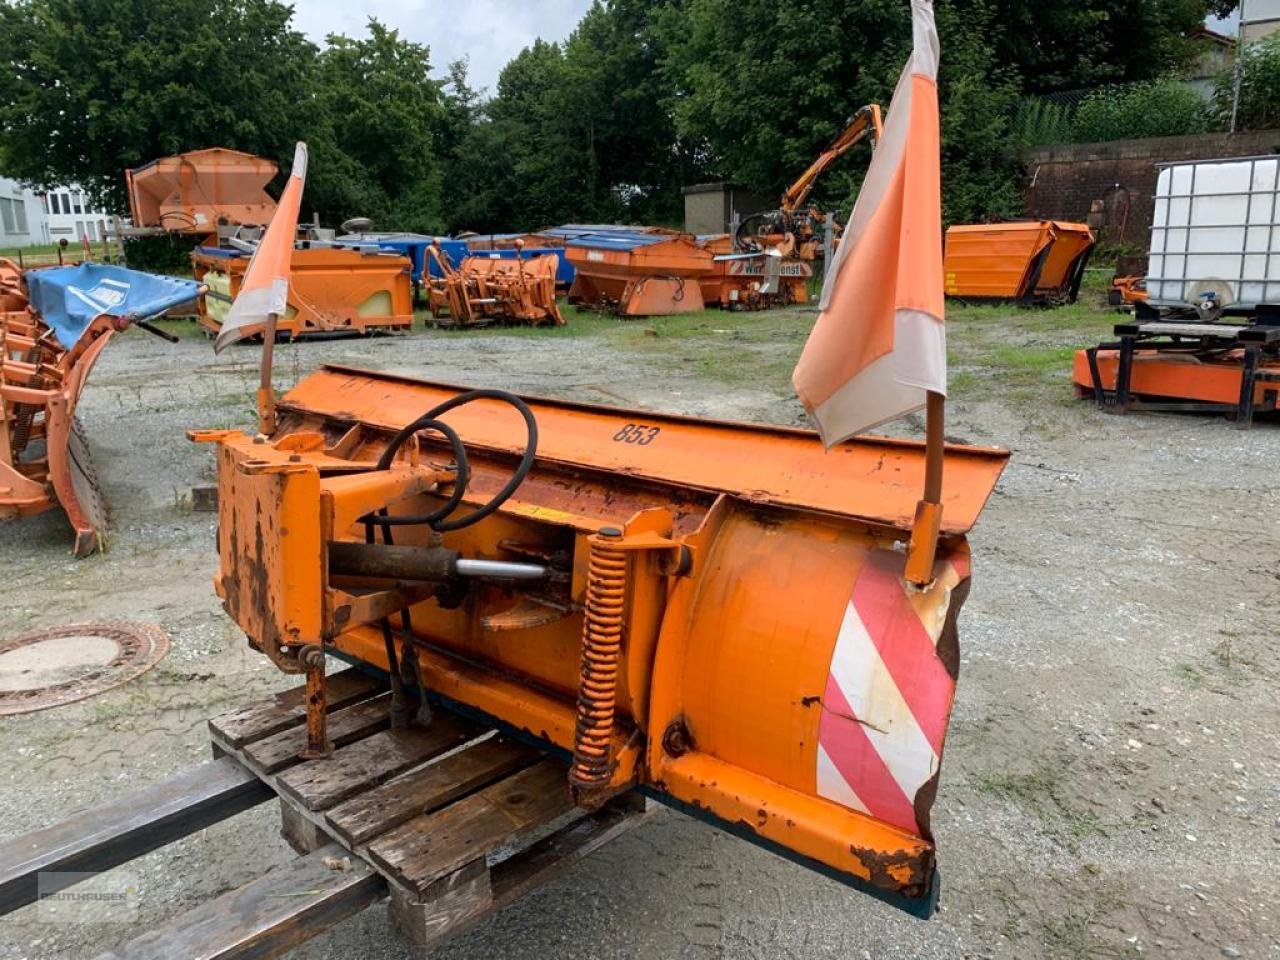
[(428, 420)]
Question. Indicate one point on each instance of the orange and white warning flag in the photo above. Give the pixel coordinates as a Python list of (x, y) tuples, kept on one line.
[(265, 289), (879, 344)]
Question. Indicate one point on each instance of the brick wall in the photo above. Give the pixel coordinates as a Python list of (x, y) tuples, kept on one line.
[(1063, 182)]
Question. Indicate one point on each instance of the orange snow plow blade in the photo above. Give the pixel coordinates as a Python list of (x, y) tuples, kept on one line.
[(485, 289), (44, 454), (713, 613)]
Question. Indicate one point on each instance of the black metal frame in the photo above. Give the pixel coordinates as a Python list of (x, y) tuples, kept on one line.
[(1256, 340)]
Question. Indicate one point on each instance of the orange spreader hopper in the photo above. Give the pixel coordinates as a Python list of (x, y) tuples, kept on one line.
[(713, 613), (639, 274), (330, 290), (1033, 261), (193, 192)]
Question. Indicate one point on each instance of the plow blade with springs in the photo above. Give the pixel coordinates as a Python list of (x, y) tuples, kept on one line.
[(714, 613), (488, 288), (54, 325)]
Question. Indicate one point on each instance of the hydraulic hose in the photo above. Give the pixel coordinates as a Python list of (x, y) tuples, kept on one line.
[(428, 421)]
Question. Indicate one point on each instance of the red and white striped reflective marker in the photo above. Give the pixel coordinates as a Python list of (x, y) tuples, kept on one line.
[(889, 693)]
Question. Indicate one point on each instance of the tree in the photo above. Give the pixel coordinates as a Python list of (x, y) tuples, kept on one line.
[(1074, 44), (1259, 87), (378, 116), (90, 87), (766, 86)]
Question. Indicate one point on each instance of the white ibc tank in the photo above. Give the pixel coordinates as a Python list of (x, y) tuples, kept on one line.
[(1216, 227)]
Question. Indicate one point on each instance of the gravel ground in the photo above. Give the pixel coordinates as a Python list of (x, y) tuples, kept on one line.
[(1112, 783)]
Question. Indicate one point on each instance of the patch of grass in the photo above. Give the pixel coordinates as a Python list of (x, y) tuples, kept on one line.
[(1043, 792)]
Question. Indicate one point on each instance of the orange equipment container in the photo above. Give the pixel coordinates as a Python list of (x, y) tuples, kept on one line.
[(194, 192), (1034, 261), (486, 289), (714, 613), (1158, 364), (331, 290), (639, 274), (45, 461)]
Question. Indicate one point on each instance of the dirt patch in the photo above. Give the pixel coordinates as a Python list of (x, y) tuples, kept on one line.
[(1112, 782)]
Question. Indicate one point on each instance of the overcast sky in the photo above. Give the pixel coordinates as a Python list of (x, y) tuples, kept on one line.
[(488, 32)]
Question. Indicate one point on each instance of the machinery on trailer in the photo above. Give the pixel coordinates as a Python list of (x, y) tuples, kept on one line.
[(54, 325), (202, 193), (485, 289), (331, 289), (1035, 261), (1207, 339)]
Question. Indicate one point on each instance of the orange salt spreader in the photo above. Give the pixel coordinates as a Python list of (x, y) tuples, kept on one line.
[(713, 613)]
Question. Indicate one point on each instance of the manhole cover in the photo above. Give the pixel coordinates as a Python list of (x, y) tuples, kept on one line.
[(48, 668)]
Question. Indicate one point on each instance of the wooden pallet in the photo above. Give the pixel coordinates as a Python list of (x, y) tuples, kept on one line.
[(451, 821)]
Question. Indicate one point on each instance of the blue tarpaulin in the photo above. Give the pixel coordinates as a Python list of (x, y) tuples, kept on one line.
[(71, 298)]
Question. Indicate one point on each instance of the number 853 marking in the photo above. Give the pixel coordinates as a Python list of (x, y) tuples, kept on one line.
[(637, 433)]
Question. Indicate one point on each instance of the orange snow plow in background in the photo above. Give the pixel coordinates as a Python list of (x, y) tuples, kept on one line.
[(54, 325), (1037, 261), (666, 600), (485, 289), (331, 290)]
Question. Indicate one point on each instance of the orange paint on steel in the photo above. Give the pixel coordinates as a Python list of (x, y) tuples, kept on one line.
[(489, 289), (191, 192), (690, 654), (40, 386), (330, 290), (650, 279), (1171, 376), (1016, 261)]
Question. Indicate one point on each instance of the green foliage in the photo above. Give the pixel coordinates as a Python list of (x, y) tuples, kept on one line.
[(377, 112), (1042, 123), (765, 86), (1161, 108), (1075, 44), (645, 96), (95, 86), (1259, 87)]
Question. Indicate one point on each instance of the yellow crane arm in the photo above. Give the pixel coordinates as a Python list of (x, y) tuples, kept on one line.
[(865, 121)]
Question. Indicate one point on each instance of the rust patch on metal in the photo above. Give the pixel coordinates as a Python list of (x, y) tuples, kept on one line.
[(902, 872), (139, 647)]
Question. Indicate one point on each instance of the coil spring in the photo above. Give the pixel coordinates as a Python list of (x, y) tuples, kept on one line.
[(25, 412), (601, 653)]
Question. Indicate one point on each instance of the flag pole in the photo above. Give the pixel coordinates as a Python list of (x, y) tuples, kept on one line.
[(923, 546), (266, 392)]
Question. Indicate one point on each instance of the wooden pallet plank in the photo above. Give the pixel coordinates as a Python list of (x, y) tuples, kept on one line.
[(266, 918), (425, 849), (268, 717), (319, 784), (552, 855), (111, 833), (457, 902), (346, 725), (427, 788)]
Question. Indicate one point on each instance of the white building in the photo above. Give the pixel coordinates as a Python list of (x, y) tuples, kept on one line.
[(22, 217), (70, 217)]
